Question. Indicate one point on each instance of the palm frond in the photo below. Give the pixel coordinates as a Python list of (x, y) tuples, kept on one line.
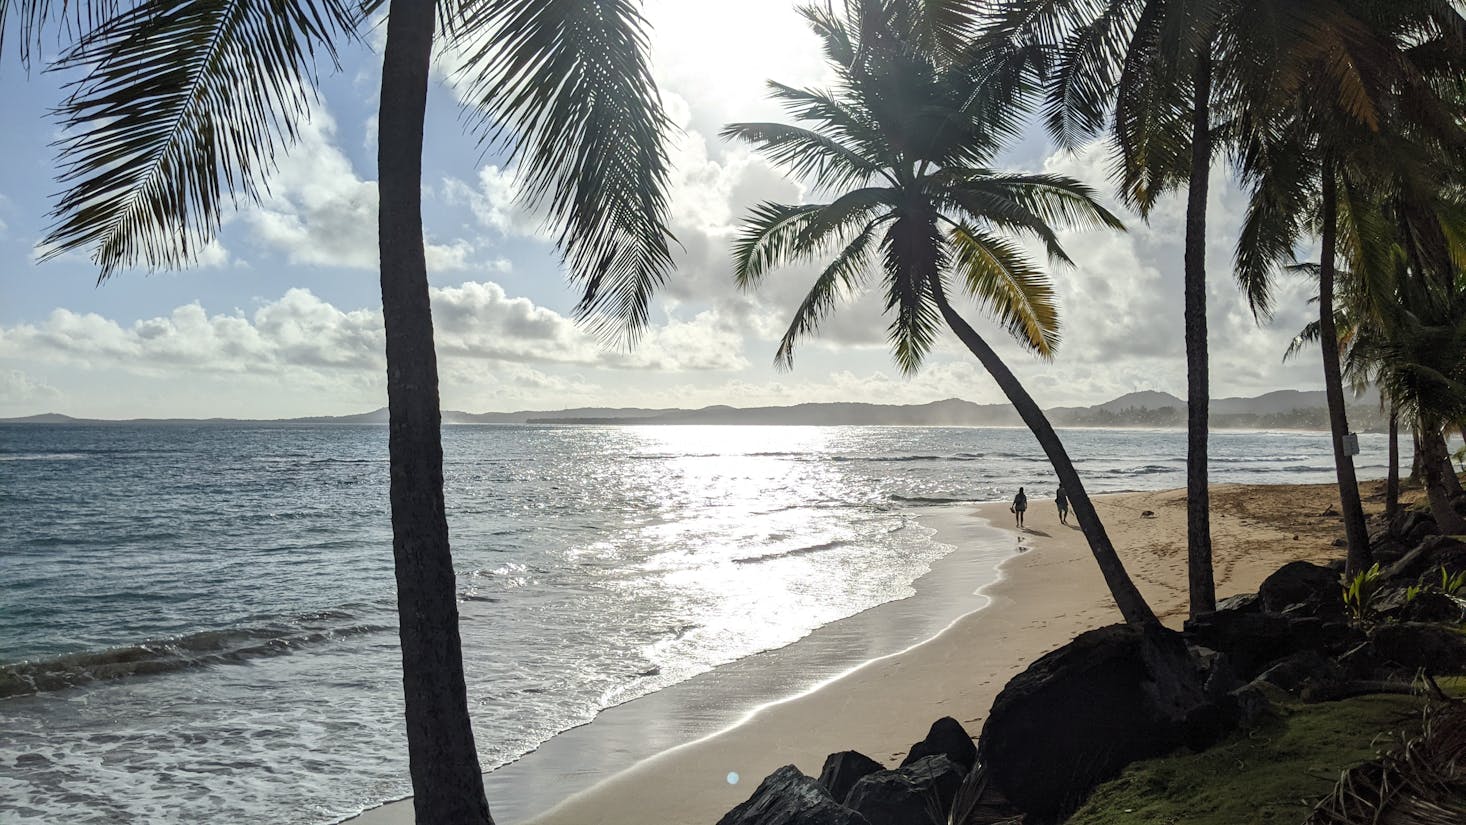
[(807, 155), (180, 104), (1084, 74), (913, 254), (1282, 190), (833, 32), (837, 119), (1058, 199), (1018, 294), (841, 276), (1309, 335), (769, 238), (32, 19), (565, 86)]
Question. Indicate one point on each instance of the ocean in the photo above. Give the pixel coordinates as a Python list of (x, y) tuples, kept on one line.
[(199, 620)]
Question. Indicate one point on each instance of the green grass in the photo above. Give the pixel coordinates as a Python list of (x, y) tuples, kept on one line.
[(1272, 774)]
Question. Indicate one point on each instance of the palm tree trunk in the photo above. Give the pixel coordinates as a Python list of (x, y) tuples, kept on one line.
[(1435, 467), (1198, 391), (1355, 532), (1452, 482), (1127, 597), (1417, 456), (1392, 482), (447, 782)]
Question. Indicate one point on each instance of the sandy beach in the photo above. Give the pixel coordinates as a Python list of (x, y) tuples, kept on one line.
[(1048, 592)]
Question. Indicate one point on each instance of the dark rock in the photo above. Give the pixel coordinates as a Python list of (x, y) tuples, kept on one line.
[(1218, 676), (1301, 668), (946, 737), (1304, 589), (1244, 602), (1422, 525), (909, 794), (1432, 606), (842, 770), (1386, 547), (788, 797), (1080, 714), (1252, 641), (1250, 703), (1413, 646)]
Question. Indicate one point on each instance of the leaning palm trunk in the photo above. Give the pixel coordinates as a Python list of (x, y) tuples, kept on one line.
[(1198, 393), (1355, 532), (1132, 605), (1435, 466), (446, 780), (1392, 481), (1417, 460)]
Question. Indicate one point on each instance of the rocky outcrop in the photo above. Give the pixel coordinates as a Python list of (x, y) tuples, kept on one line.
[(909, 795), (948, 738), (788, 797), (1300, 588), (1411, 646), (1080, 714), (842, 770), (1253, 641)]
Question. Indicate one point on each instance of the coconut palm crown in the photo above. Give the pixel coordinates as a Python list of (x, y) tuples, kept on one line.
[(902, 144)]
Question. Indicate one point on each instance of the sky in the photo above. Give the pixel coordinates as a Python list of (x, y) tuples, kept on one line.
[(282, 315)]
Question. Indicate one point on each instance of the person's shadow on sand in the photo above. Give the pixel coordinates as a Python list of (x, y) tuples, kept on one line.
[(1032, 532)]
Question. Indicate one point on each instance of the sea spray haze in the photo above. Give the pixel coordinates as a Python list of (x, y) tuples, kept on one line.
[(185, 643)]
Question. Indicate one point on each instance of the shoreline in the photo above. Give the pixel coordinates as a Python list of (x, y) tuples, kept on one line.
[(707, 705), (1036, 600)]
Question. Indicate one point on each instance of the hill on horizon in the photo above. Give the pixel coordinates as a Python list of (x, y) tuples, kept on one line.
[(1281, 409)]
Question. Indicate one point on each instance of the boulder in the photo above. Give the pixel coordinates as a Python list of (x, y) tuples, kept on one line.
[(1412, 646), (948, 738), (1301, 668), (1253, 641), (788, 797), (1243, 602), (1432, 606), (842, 770), (1303, 589), (1419, 525), (1080, 714), (908, 795)]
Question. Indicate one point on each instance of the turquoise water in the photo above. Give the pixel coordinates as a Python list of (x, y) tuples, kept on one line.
[(199, 619)]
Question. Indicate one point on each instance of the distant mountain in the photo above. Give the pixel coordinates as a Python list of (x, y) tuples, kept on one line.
[(1284, 409), (43, 418), (951, 412), (1143, 400)]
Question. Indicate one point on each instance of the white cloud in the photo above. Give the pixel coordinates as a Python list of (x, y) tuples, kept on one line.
[(22, 394), (474, 323), (318, 212)]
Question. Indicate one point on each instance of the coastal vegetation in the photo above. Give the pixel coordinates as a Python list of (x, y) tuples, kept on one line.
[(1344, 119)]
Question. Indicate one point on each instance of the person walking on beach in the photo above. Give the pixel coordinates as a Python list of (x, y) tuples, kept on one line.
[(1061, 499), (1020, 504)]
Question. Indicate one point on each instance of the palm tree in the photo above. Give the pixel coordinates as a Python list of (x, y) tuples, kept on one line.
[(902, 144), (1170, 81), (1316, 163), (1151, 63), (183, 105)]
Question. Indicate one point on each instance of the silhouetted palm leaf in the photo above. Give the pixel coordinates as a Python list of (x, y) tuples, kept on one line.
[(565, 86), (182, 104)]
